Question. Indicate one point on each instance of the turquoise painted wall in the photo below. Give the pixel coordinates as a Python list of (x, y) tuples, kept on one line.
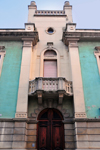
[(90, 77), (9, 79)]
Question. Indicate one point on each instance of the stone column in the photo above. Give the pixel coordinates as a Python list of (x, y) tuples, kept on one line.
[(22, 101), (79, 104)]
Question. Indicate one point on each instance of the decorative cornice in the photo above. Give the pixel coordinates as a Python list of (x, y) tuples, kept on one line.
[(30, 120), (81, 36), (19, 36)]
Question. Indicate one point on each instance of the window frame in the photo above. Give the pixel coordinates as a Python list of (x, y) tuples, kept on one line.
[(2, 54), (97, 55), (56, 57)]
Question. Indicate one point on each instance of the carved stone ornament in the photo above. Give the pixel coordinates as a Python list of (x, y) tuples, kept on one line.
[(21, 115), (2, 47), (80, 115), (97, 48), (50, 47)]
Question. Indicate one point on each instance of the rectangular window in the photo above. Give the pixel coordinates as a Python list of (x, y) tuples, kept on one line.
[(50, 68)]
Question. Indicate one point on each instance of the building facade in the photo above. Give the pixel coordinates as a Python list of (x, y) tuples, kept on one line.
[(49, 84)]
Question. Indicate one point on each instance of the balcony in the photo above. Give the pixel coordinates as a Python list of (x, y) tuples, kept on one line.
[(50, 85)]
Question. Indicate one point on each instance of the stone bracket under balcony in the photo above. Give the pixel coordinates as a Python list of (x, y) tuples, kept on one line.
[(50, 85)]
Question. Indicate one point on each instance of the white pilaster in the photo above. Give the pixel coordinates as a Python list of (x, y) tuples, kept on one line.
[(79, 104), (22, 101)]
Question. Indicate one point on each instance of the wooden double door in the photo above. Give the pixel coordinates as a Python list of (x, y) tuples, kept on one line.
[(50, 130)]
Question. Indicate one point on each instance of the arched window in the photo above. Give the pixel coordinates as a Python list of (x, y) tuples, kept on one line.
[(50, 64), (50, 53)]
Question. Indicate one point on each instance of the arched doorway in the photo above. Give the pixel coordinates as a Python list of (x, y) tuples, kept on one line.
[(50, 134)]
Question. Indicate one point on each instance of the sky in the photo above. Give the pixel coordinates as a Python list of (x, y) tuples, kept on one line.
[(14, 13)]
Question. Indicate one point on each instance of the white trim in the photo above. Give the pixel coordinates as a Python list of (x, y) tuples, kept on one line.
[(2, 54), (97, 55)]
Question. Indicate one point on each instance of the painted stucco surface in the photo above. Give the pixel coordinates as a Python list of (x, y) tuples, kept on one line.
[(90, 78), (9, 79)]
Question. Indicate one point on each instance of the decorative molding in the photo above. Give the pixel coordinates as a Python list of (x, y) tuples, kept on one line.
[(19, 35), (80, 115), (21, 115), (49, 13), (29, 26), (27, 44), (73, 44), (97, 55), (2, 54), (49, 43), (81, 36), (51, 103)]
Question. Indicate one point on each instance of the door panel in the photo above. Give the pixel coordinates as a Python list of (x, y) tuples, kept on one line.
[(43, 135), (57, 135)]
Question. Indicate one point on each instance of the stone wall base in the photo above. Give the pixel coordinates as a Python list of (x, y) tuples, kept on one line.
[(22, 134)]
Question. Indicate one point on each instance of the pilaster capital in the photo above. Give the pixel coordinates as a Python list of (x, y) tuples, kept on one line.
[(21, 115), (71, 42), (27, 42), (80, 115)]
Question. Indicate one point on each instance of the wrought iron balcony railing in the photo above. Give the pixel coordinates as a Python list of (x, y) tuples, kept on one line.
[(50, 85)]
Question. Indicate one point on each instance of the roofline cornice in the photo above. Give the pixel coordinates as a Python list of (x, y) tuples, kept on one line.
[(81, 36)]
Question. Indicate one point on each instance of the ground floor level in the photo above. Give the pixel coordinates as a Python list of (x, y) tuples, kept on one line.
[(50, 132)]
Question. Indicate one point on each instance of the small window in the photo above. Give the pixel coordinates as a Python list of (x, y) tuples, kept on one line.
[(50, 31)]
